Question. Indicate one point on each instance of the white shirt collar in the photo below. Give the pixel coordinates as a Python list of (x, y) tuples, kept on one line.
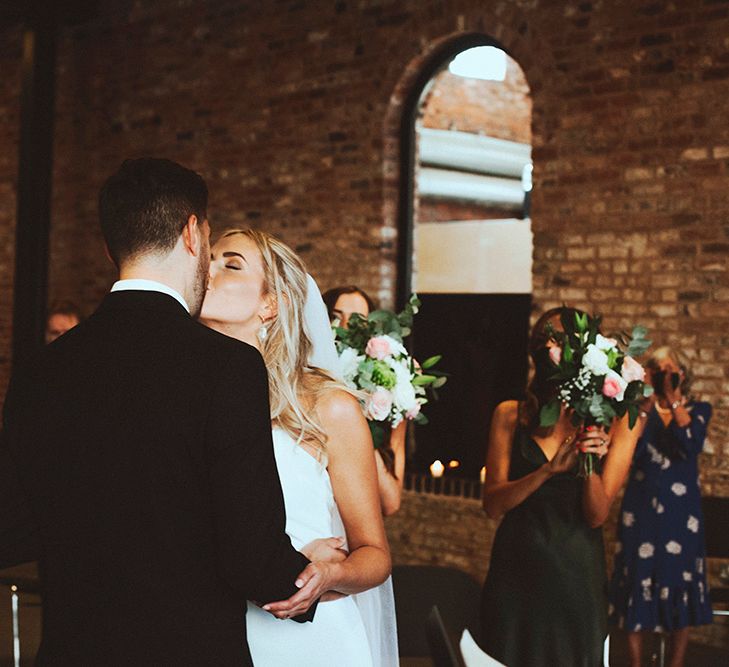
[(149, 286)]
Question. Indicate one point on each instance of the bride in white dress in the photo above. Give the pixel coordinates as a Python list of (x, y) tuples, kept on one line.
[(260, 293)]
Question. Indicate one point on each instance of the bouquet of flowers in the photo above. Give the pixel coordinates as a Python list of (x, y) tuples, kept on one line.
[(373, 360), (597, 377)]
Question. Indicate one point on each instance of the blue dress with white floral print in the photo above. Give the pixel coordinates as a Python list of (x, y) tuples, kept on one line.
[(659, 580)]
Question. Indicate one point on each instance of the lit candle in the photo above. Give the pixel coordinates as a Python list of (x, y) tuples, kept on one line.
[(483, 474), (453, 463), (437, 469)]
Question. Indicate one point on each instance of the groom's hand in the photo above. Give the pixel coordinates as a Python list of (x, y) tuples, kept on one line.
[(313, 582)]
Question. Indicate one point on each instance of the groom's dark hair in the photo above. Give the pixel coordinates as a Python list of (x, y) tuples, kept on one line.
[(146, 203)]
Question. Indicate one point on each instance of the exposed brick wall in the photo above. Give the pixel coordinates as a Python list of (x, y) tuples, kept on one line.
[(630, 201), (501, 109), (441, 530)]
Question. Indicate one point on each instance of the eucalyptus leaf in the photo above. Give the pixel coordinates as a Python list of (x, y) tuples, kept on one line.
[(439, 382), (638, 347), (608, 411), (596, 408), (549, 414)]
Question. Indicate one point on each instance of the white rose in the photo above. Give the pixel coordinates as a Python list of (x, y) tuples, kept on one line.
[(347, 364), (404, 395), (595, 360), (379, 404), (605, 344), (403, 392)]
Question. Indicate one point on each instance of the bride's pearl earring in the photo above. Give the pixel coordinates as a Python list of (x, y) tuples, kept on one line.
[(262, 332)]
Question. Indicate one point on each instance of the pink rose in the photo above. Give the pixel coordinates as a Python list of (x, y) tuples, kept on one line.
[(379, 404), (614, 386), (413, 412), (378, 347), (555, 354), (632, 370)]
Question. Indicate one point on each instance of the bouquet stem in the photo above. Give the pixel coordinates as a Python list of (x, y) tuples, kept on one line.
[(586, 465)]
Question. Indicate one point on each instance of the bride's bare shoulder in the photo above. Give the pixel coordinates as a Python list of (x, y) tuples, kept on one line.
[(335, 406)]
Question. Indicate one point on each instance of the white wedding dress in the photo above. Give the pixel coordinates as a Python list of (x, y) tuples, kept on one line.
[(345, 632), (355, 631)]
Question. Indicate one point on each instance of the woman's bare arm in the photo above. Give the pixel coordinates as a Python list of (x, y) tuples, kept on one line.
[(391, 487), (353, 474), (600, 489), (499, 494)]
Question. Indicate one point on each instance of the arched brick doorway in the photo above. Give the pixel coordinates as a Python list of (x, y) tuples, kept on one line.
[(481, 327)]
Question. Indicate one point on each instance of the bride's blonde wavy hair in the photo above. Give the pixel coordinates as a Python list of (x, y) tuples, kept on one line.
[(286, 348)]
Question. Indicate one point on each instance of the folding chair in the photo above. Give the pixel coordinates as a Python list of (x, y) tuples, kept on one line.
[(418, 588), (441, 649), (716, 511), (18, 585)]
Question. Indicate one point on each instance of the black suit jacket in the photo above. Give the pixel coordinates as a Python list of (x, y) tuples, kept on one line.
[(137, 466)]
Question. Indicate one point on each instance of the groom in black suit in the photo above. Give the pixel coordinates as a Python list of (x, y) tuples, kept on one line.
[(136, 461)]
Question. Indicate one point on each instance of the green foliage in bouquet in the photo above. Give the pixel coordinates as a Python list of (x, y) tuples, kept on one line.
[(373, 359)]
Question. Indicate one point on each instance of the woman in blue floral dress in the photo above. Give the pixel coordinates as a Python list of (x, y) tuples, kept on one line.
[(659, 581)]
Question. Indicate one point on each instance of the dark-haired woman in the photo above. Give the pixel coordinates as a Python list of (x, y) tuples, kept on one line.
[(343, 302), (659, 580), (545, 598)]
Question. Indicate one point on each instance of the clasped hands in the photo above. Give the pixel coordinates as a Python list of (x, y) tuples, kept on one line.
[(316, 581)]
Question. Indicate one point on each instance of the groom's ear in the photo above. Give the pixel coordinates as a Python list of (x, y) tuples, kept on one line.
[(107, 252), (192, 234)]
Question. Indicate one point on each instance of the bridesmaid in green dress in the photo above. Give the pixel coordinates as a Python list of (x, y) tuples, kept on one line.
[(545, 598)]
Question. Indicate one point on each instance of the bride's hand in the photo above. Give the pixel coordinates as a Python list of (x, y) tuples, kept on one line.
[(316, 580), (329, 549)]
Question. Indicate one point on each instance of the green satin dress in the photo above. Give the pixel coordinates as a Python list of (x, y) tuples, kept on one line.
[(544, 601)]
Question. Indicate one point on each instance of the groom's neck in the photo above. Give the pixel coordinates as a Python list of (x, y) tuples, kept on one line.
[(158, 269)]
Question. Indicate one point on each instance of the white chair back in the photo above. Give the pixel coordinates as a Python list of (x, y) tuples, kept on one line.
[(472, 654)]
